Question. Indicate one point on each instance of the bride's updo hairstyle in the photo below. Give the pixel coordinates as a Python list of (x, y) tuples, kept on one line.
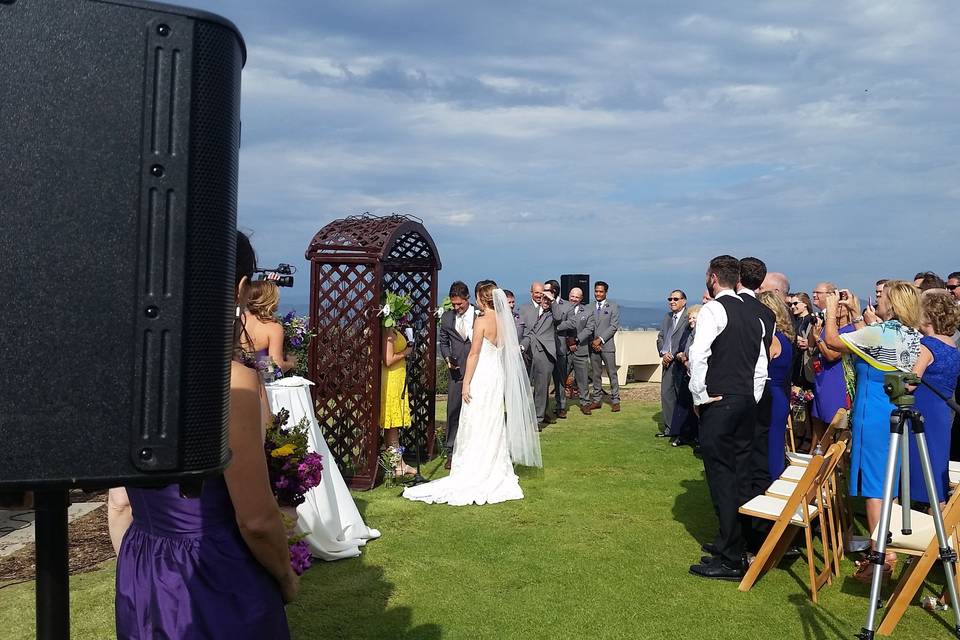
[(484, 293)]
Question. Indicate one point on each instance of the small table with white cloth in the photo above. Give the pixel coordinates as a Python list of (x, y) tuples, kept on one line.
[(329, 513)]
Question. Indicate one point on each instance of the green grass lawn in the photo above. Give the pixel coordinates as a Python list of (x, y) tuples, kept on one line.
[(598, 549)]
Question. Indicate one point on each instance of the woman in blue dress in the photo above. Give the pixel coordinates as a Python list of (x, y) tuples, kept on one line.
[(215, 565), (779, 370), (939, 366), (891, 344)]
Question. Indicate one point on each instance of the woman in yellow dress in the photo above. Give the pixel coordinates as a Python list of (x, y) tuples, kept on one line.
[(394, 399)]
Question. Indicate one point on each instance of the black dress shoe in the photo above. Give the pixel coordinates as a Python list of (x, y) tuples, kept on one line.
[(707, 559), (677, 442), (710, 548), (661, 434), (717, 571)]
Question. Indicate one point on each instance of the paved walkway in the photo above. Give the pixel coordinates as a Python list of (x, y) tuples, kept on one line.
[(17, 527)]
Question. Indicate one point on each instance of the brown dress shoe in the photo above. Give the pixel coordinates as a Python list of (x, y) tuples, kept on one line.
[(562, 414), (615, 407), (596, 405), (447, 462), (585, 409)]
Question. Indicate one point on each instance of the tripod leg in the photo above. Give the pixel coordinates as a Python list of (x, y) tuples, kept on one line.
[(947, 555), (905, 485), (878, 555)]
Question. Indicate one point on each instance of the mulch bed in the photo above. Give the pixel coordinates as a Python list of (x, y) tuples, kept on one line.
[(89, 545)]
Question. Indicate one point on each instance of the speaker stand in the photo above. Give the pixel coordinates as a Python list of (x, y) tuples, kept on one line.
[(53, 564)]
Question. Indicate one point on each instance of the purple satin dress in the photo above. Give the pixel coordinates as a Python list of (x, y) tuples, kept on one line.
[(184, 571), (829, 385)]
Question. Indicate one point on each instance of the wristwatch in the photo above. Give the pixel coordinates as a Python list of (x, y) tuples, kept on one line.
[(858, 319)]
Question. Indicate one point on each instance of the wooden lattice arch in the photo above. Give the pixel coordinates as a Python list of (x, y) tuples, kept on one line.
[(354, 261)]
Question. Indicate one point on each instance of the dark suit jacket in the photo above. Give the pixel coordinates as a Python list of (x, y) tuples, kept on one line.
[(452, 346)]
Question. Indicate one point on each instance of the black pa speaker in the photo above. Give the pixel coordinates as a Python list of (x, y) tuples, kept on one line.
[(572, 280), (119, 142)]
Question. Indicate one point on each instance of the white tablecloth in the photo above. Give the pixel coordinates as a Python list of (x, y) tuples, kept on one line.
[(329, 512)]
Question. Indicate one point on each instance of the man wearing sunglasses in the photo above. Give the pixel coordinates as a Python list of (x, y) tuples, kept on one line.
[(953, 284), (668, 344)]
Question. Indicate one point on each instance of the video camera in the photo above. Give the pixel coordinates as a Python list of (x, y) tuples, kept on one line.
[(282, 275)]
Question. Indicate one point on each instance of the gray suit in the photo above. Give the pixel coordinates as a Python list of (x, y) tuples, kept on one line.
[(668, 341), (454, 349), (607, 325), (579, 323), (560, 309), (540, 342)]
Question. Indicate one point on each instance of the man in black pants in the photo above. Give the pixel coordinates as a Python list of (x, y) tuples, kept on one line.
[(723, 360), (752, 273)]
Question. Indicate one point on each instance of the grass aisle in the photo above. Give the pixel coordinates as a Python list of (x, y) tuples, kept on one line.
[(598, 549)]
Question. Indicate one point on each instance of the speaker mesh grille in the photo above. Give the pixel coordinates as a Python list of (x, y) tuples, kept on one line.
[(211, 244)]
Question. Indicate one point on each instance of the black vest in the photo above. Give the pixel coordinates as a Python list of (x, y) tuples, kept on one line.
[(766, 316), (734, 353)]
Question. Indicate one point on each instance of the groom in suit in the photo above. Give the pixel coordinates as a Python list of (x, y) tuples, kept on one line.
[(456, 332), (560, 309), (539, 345), (604, 352), (668, 345)]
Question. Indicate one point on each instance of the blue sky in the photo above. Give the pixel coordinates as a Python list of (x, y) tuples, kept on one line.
[(629, 140)]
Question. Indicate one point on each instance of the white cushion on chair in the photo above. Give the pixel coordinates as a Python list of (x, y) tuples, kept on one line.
[(781, 489), (954, 476), (921, 525), (773, 507), (954, 466), (799, 459), (793, 473)]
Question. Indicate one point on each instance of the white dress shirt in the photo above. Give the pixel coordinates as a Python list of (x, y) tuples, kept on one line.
[(464, 324), (710, 322), (760, 370)]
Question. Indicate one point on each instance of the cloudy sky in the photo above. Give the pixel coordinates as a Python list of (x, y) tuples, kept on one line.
[(631, 140)]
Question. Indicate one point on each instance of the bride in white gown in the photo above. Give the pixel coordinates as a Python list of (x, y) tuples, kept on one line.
[(498, 424)]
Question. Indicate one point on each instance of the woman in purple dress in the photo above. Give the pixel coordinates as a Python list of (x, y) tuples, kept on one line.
[(829, 384), (216, 565), (779, 370), (939, 365)]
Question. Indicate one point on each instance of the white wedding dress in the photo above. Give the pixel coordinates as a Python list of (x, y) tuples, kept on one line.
[(497, 428)]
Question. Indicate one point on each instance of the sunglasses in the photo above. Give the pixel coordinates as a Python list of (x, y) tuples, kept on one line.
[(951, 287), (793, 304), (674, 299)]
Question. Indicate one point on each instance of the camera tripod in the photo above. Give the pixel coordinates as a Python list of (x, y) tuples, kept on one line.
[(895, 385)]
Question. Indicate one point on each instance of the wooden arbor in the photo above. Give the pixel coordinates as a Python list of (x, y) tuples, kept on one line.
[(354, 261)]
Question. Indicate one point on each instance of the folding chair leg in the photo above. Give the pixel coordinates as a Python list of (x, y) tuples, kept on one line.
[(810, 565), (763, 556), (781, 549)]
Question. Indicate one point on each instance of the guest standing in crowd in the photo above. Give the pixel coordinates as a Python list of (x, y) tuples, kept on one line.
[(752, 273), (953, 285), (394, 396), (668, 344), (512, 301), (799, 304), (684, 422), (264, 334), (829, 384), (539, 345), (604, 356), (931, 280), (723, 359), (216, 565), (456, 333), (777, 284), (559, 308), (580, 324), (779, 370), (939, 366), (889, 345)]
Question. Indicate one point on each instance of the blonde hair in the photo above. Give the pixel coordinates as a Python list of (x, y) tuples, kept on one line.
[(773, 302), (263, 299), (694, 309), (903, 300), (485, 295), (939, 309)]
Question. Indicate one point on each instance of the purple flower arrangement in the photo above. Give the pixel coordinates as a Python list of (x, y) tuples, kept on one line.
[(296, 340), (293, 471)]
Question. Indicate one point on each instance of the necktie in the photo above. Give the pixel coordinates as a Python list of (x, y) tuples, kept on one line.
[(462, 326), (599, 305)]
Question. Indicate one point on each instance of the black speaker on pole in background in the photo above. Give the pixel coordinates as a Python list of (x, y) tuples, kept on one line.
[(119, 142), (579, 280)]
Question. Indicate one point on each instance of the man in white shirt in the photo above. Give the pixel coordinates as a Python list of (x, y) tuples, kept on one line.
[(723, 360), (454, 340)]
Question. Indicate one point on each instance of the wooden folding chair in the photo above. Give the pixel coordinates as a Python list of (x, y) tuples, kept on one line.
[(830, 500), (789, 515), (954, 472), (837, 425), (791, 440), (921, 542)]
